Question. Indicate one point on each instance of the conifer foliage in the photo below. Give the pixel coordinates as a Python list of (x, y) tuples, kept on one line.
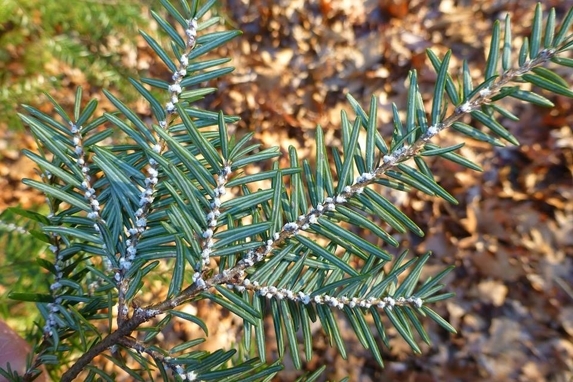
[(173, 200)]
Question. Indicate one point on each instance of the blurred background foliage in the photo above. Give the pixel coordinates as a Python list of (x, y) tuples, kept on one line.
[(47, 45), (18, 254)]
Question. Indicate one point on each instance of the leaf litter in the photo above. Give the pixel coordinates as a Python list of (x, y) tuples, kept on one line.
[(511, 236)]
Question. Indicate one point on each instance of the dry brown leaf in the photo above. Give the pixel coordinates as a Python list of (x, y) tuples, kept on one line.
[(492, 292)]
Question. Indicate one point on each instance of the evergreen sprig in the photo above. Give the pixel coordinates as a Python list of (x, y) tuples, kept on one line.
[(156, 204)]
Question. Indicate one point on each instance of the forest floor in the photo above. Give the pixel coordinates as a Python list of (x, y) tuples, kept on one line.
[(511, 235)]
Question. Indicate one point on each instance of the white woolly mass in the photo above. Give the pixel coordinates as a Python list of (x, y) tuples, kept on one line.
[(465, 108), (340, 199), (201, 283), (388, 159), (335, 302), (433, 130), (291, 227), (485, 92), (184, 60), (175, 88)]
